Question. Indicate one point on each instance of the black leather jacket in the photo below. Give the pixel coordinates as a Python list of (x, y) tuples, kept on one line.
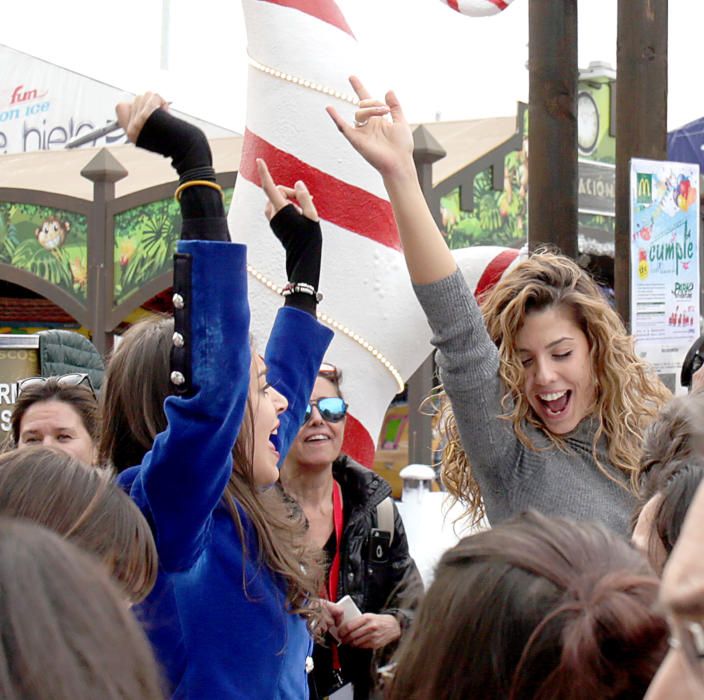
[(391, 585)]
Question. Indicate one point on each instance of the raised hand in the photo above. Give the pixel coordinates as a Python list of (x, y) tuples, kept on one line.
[(386, 145), (294, 221), (280, 196), (132, 116)]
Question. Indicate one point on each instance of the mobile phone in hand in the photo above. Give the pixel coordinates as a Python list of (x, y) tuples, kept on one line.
[(350, 611)]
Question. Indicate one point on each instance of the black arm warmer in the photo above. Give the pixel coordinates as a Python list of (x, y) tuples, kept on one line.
[(202, 208), (303, 242)]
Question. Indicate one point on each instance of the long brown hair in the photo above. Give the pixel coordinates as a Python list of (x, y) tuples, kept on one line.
[(628, 393), (66, 633), (136, 384), (81, 504), (536, 608)]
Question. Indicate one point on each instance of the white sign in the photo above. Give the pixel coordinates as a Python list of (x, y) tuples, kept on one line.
[(44, 106), (664, 263)]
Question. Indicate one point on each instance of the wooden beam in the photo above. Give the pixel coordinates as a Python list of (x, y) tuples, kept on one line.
[(641, 117), (552, 130)]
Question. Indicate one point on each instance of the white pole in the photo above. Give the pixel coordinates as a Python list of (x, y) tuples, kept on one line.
[(165, 32)]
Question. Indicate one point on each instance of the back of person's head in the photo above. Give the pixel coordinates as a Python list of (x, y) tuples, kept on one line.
[(659, 521), (66, 633), (79, 396), (83, 505), (676, 435), (535, 608), (132, 398)]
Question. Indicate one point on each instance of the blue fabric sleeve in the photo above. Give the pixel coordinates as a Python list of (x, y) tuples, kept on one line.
[(183, 476), (294, 353)]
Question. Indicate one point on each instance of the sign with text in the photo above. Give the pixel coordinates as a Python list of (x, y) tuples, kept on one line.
[(596, 187), (44, 106), (19, 358), (664, 263)]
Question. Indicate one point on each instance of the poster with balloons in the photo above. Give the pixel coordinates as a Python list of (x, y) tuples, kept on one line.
[(664, 263)]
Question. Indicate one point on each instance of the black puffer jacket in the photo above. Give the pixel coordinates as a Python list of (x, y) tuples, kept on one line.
[(390, 586)]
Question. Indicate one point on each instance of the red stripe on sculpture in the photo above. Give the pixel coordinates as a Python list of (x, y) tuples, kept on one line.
[(493, 271), (358, 444), (325, 10), (344, 205)]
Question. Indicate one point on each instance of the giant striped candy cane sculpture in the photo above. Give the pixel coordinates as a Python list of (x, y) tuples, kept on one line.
[(301, 52)]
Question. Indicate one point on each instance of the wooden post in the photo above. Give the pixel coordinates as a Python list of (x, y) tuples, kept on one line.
[(103, 171), (641, 117), (420, 433), (552, 130)]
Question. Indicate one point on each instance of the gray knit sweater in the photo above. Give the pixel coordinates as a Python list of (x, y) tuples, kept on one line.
[(512, 477)]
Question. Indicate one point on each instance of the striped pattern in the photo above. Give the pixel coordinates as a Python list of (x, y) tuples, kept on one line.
[(478, 8), (364, 279), (344, 205), (324, 10)]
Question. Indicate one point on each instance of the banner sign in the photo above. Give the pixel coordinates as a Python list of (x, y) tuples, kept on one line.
[(19, 358), (596, 187), (664, 263), (44, 106)]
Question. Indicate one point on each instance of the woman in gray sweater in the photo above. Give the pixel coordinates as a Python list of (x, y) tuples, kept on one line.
[(548, 398)]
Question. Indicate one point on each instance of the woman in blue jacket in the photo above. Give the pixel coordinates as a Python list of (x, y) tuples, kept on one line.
[(227, 616)]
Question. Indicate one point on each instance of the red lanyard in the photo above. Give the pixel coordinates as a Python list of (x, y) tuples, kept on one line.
[(337, 520), (334, 576)]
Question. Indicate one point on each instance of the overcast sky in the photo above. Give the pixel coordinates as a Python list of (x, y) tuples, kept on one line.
[(441, 64)]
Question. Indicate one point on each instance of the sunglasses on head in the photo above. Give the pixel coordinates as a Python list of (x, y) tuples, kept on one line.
[(329, 371), (63, 380), (332, 409)]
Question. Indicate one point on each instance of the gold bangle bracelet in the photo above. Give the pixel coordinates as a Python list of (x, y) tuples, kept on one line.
[(191, 183)]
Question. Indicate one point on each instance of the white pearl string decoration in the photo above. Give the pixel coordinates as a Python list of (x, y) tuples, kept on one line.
[(337, 326), (303, 82)]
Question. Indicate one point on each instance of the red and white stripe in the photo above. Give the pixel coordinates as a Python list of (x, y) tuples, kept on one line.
[(364, 278), (478, 8)]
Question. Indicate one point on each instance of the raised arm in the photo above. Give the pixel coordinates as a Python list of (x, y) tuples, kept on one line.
[(297, 343), (388, 147), (468, 359), (182, 478)]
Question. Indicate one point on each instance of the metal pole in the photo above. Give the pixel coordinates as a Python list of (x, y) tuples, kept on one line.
[(641, 117), (552, 131)]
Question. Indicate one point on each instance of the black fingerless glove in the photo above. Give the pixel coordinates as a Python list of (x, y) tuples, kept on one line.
[(202, 208), (303, 242)]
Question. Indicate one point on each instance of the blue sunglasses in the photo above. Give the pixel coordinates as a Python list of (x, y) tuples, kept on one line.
[(332, 409)]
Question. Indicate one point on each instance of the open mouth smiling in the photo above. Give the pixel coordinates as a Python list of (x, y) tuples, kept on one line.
[(555, 403), (317, 437)]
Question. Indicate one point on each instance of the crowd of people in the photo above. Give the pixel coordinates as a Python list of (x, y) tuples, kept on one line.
[(195, 532)]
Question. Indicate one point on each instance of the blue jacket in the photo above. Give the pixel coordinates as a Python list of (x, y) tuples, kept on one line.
[(213, 639)]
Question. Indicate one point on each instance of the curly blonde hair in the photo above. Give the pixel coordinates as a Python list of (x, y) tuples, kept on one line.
[(628, 394)]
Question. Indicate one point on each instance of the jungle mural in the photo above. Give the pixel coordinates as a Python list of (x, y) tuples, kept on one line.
[(145, 241), (49, 243), (499, 217)]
